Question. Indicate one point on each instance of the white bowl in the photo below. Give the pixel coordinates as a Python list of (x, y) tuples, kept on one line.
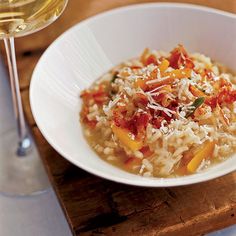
[(92, 47)]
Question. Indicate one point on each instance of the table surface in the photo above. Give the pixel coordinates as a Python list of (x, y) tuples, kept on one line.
[(66, 177)]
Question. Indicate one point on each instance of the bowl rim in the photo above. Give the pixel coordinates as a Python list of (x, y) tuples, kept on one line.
[(150, 182)]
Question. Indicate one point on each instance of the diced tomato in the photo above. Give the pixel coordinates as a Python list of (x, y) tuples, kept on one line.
[(90, 123), (151, 60), (209, 74), (86, 96), (189, 63), (131, 126), (84, 112), (227, 96), (158, 98), (174, 104), (100, 99), (162, 99), (119, 119), (135, 124), (140, 100), (224, 96), (99, 96), (146, 151), (138, 124), (142, 119), (211, 101), (153, 75), (175, 58), (166, 117), (225, 83), (135, 67), (157, 121), (131, 162), (221, 97), (232, 96), (179, 57)]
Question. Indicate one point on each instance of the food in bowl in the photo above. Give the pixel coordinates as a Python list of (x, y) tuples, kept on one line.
[(162, 114)]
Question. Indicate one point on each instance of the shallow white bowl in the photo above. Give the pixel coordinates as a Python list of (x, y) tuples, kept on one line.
[(91, 48)]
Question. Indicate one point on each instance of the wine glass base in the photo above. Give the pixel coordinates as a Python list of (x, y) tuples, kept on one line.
[(20, 175)]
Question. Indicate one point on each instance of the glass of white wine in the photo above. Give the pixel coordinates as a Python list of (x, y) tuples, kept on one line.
[(21, 171)]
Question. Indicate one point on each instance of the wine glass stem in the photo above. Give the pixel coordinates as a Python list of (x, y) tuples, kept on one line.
[(24, 141)]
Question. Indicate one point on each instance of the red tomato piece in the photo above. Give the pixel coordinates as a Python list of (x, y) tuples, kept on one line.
[(146, 151), (151, 60), (142, 119), (179, 57), (211, 101), (132, 161), (157, 121), (140, 100)]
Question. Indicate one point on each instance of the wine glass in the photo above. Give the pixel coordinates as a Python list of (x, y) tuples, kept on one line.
[(21, 171)]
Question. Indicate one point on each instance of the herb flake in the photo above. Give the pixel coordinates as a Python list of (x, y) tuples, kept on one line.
[(197, 103)]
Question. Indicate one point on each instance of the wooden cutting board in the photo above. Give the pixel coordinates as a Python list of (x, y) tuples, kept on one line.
[(94, 206)]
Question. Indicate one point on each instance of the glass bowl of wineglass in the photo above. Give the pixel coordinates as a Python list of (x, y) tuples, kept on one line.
[(21, 170)]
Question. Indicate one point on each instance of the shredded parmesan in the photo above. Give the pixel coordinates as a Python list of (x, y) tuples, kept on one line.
[(111, 104)]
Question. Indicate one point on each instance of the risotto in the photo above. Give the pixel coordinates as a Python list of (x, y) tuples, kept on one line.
[(162, 114)]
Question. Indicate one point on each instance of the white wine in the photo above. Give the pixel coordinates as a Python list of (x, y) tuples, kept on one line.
[(21, 17)]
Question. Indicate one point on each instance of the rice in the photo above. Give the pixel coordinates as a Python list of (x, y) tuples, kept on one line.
[(154, 114)]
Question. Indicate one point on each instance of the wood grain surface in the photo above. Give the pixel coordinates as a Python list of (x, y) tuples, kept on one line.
[(94, 206)]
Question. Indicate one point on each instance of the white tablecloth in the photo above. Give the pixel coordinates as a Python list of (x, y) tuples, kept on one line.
[(38, 215)]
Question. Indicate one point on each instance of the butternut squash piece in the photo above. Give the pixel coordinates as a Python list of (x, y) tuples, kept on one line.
[(127, 138), (163, 66), (205, 151), (196, 92)]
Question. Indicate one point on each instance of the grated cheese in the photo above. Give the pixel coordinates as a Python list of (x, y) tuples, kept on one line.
[(111, 104)]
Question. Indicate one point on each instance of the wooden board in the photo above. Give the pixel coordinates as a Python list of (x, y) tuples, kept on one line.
[(94, 206)]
